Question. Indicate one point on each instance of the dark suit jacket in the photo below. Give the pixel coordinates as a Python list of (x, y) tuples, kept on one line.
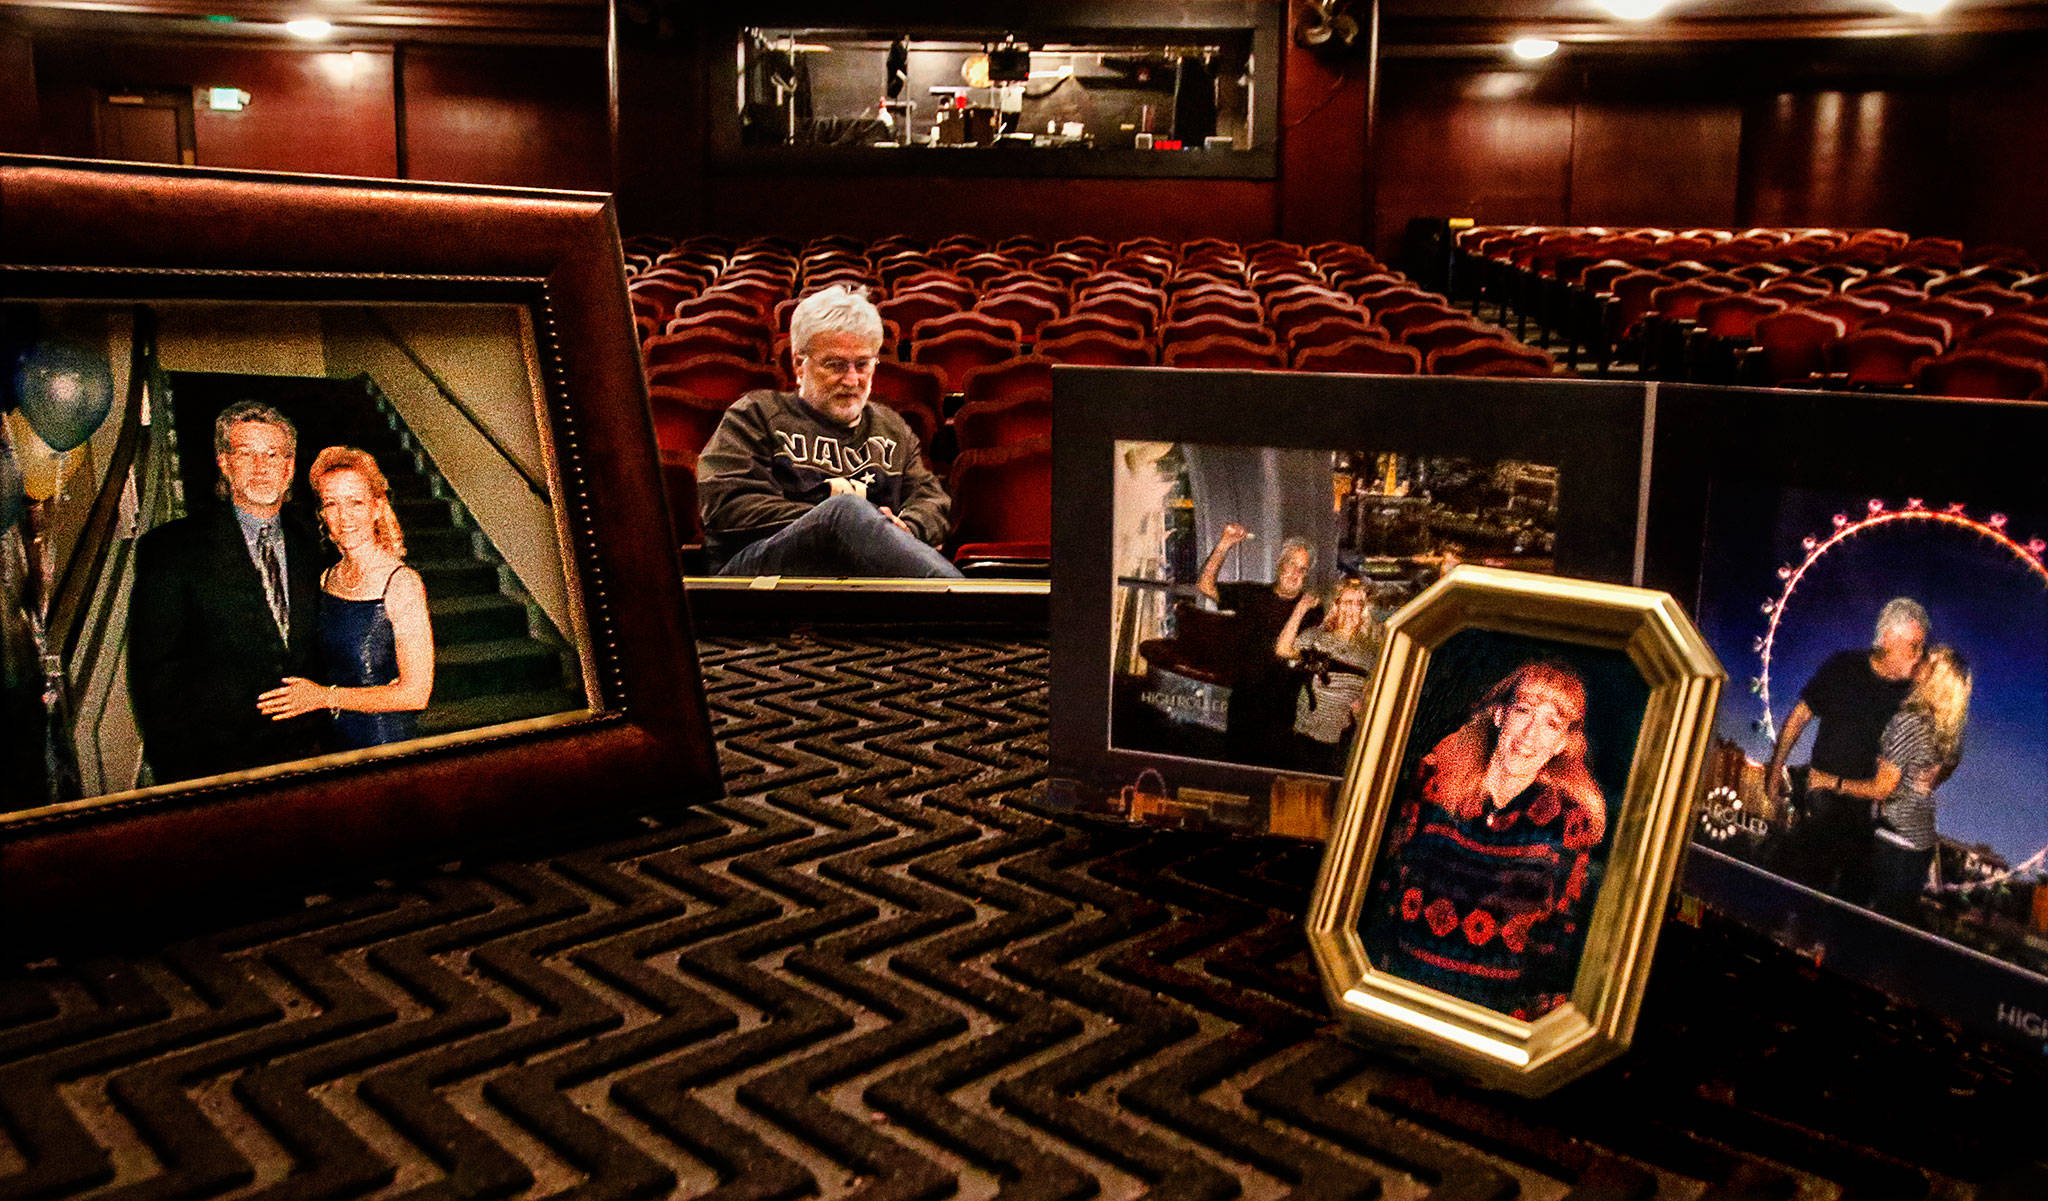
[(202, 646)]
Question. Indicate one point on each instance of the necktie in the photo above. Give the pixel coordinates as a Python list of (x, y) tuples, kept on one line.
[(273, 580)]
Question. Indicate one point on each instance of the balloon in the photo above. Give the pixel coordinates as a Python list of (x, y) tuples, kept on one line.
[(65, 390), (42, 469), (13, 490)]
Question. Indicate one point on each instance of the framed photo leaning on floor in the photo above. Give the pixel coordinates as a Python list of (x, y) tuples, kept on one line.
[(333, 532)]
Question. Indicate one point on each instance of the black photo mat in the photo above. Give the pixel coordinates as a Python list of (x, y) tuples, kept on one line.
[(1590, 433), (1784, 521)]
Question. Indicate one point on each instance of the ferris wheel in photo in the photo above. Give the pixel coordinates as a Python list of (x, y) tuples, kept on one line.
[(1876, 514)]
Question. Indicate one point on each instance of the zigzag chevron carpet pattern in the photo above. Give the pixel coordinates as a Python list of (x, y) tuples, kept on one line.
[(871, 975)]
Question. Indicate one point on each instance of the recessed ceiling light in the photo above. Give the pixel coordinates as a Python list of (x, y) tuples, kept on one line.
[(1634, 10), (1921, 8), (311, 28), (1533, 48)]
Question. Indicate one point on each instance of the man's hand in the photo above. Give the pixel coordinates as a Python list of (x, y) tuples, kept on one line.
[(840, 486), (1231, 536), (896, 521), (294, 697)]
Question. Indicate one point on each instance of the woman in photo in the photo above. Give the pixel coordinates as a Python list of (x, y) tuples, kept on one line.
[(376, 643), (1341, 652), (1494, 853), (1922, 744)]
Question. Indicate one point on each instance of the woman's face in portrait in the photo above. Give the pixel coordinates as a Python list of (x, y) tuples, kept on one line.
[(1350, 609), (1533, 728), (348, 508)]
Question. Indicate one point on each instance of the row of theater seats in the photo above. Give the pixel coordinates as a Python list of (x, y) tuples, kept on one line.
[(973, 329), (1868, 309)]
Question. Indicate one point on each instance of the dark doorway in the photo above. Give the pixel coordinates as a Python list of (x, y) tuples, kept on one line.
[(145, 125)]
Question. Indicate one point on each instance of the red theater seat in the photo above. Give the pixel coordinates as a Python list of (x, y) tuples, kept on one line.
[(1002, 503), (1241, 306), (682, 422), (682, 345), (1736, 315), (1856, 310), (2019, 343), (1194, 329), (1399, 319), (1794, 346), (1883, 358), (1025, 375), (961, 350), (917, 392), (715, 378), (1025, 311), (1982, 374), (981, 323), (906, 309), (1439, 335), (982, 424), (1361, 356), (1223, 351), (1920, 325), (1961, 315), (1122, 305), (1099, 323), (1331, 330), (1097, 349), (1489, 358)]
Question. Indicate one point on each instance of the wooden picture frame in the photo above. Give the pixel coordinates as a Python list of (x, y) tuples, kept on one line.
[(528, 283), (1511, 940)]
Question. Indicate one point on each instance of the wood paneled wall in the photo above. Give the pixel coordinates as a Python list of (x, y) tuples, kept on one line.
[(1950, 145), (524, 116)]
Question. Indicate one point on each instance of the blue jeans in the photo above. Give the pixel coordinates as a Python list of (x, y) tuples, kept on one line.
[(843, 535)]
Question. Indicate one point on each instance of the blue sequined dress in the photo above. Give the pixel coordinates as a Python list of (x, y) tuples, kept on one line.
[(358, 649)]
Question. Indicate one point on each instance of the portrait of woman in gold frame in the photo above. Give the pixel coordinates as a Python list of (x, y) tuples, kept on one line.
[(1575, 715)]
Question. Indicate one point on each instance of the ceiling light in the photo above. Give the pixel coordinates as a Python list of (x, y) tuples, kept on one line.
[(310, 28), (1533, 48), (1920, 8), (1633, 10)]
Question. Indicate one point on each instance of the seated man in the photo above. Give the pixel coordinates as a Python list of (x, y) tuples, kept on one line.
[(822, 483)]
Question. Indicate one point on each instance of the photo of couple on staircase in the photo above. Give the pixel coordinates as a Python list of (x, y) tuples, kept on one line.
[(313, 530)]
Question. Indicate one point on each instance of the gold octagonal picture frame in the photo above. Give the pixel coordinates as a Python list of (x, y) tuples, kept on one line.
[(1512, 822)]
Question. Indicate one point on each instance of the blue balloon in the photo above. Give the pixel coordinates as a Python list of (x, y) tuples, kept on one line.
[(65, 391), (13, 489)]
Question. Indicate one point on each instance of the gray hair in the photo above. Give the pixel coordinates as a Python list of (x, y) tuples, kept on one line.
[(834, 310), (1900, 611), (242, 412), (1295, 544), (250, 410)]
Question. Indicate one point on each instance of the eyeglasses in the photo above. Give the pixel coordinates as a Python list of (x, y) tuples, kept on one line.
[(272, 457), (835, 365)]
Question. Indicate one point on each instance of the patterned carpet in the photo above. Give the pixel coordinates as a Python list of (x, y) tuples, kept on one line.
[(872, 974)]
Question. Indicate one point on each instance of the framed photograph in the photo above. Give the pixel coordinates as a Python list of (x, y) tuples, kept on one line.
[(1512, 823), (333, 531), (1220, 598), (1870, 568)]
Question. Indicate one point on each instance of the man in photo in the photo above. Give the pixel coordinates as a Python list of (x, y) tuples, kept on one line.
[(1259, 718), (225, 604), (1852, 696), (822, 482)]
